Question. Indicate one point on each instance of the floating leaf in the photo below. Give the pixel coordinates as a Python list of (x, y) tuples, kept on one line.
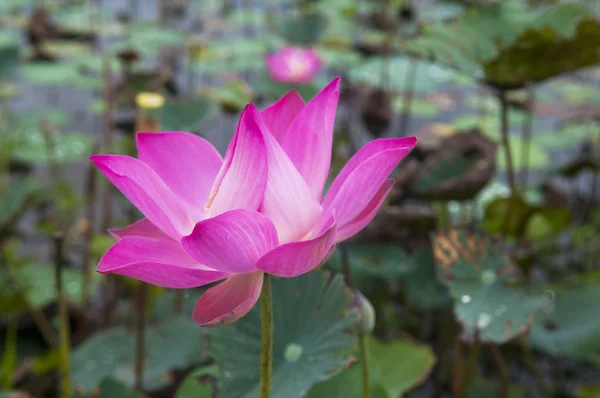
[(50, 73), (303, 30), (275, 90), (313, 342), (547, 222), (424, 290), (479, 276), (429, 77), (374, 265), (394, 368), (186, 115), (110, 388), (38, 282), (174, 343), (572, 326), (9, 57), (191, 387), (16, 200), (509, 45)]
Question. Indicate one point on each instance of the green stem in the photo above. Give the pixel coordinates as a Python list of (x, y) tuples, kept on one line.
[(364, 365), (9, 361), (266, 323), (64, 332), (140, 351)]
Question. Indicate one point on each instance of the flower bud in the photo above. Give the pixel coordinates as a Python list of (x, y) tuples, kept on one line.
[(366, 312)]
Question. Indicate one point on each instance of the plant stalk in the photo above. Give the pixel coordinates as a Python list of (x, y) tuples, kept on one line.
[(526, 135), (266, 323), (140, 350), (364, 365), (504, 128), (502, 371), (64, 331)]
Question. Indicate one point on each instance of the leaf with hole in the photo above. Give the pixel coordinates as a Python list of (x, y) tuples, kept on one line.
[(481, 279)]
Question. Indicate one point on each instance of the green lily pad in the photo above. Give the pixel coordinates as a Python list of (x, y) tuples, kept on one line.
[(232, 97), (547, 222), (110, 388), (303, 30), (49, 74), (508, 44), (9, 58), (394, 368), (275, 90), (150, 39), (508, 215), (571, 326), (174, 343), (312, 339), (429, 77), (424, 290), (39, 286), (16, 200), (480, 278), (186, 115), (66, 147), (191, 387), (375, 265)]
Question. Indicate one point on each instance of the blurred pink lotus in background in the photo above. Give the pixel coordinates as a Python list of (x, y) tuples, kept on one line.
[(259, 209), (293, 65)]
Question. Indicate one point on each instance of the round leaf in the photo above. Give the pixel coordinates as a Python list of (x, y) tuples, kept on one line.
[(312, 339)]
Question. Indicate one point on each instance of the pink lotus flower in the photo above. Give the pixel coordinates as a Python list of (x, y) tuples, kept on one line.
[(259, 209), (293, 65)]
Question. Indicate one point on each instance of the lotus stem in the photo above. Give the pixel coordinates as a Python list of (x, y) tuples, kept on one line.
[(502, 371), (90, 221), (64, 331), (504, 128), (266, 323), (408, 94), (526, 132), (140, 351), (364, 365), (9, 361), (459, 369)]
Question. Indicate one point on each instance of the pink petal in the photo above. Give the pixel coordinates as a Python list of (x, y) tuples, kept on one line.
[(241, 182), (232, 241), (148, 192), (279, 116), (309, 138), (362, 185), (287, 201), (187, 163), (228, 301), (364, 218), (160, 262), (139, 228), (297, 258), (363, 154)]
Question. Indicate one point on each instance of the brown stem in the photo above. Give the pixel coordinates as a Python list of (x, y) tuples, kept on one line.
[(140, 337), (107, 139), (178, 301), (502, 370), (526, 135), (407, 95), (88, 233), (504, 129), (459, 369)]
